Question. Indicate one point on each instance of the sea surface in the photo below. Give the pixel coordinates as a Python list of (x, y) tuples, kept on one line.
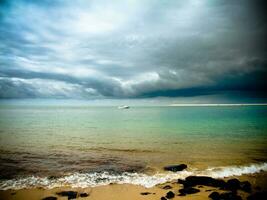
[(81, 146)]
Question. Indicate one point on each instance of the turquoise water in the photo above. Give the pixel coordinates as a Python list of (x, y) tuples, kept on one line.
[(58, 140)]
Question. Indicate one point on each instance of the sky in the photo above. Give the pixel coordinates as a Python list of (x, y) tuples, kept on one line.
[(189, 50)]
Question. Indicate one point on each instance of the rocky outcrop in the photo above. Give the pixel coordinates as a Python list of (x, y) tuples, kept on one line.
[(224, 196), (84, 194), (192, 181), (50, 198), (188, 190), (69, 194), (175, 168), (170, 195)]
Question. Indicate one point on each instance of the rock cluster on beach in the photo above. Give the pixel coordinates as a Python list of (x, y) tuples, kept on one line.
[(232, 184), (227, 190)]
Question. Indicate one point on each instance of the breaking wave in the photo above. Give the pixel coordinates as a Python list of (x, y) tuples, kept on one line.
[(104, 178)]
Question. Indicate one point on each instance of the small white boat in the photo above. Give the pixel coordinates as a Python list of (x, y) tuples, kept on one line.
[(124, 107)]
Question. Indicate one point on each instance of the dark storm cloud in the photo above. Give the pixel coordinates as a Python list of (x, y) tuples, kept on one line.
[(121, 49)]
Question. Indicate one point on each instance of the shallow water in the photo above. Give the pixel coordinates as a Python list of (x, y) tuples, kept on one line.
[(62, 140)]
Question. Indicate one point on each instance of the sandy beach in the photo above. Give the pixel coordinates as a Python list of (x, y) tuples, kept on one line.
[(134, 192)]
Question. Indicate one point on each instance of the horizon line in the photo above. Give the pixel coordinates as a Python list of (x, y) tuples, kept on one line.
[(218, 104)]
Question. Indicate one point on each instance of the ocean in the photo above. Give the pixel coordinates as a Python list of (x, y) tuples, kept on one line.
[(82, 146)]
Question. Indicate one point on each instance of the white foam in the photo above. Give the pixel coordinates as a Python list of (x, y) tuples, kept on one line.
[(222, 172), (96, 179)]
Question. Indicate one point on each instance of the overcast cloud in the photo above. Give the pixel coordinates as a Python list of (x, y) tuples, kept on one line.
[(131, 49)]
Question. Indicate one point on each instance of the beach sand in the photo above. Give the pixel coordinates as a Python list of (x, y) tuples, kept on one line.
[(132, 192)]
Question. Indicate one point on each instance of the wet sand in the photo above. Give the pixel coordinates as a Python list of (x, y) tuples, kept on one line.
[(133, 192)]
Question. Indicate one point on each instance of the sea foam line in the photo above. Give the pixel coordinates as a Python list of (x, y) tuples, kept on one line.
[(84, 180)]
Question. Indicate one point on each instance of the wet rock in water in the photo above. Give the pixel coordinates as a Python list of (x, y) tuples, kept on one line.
[(214, 196), (145, 193), (163, 198), (245, 186), (188, 190), (191, 181), (69, 194), (84, 195), (232, 184), (167, 187), (50, 198), (170, 195), (175, 168), (257, 196)]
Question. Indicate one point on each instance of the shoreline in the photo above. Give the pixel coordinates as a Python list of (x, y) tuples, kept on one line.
[(147, 180), (258, 183)]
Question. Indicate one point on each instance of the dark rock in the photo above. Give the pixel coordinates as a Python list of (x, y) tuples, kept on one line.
[(170, 195), (191, 181), (163, 198), (230, 196), (50, 198), (167, 187), (181, 181), (84, 195), (189, 190), (52, 177), (245, 186), (257, 196), (224, 196), (175, 168), (214, 196), (232, 184), (13, 193), (69, 194), (145, 193)]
